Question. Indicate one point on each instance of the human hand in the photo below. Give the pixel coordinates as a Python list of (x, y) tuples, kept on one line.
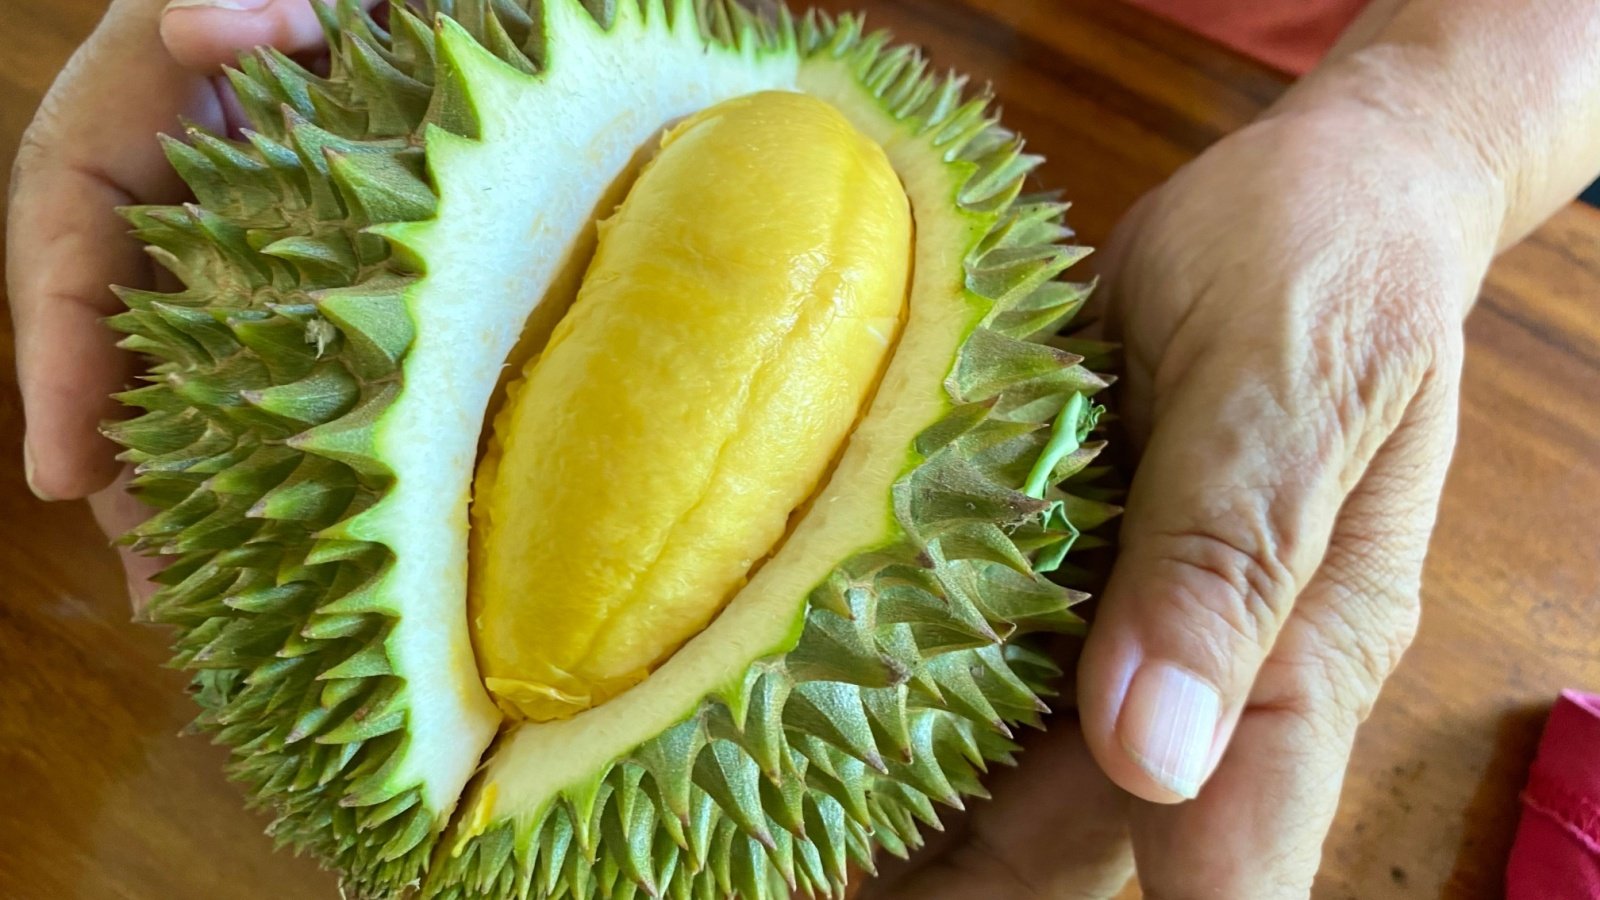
[(89, 149), (1291, 308)]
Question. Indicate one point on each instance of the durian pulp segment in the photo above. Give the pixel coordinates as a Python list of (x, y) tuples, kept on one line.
[(737, 313), (536, 762)]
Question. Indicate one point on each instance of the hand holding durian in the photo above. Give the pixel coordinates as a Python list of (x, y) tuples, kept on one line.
[(629, 449)]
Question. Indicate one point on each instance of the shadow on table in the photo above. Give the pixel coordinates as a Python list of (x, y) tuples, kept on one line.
[(1491, 816)]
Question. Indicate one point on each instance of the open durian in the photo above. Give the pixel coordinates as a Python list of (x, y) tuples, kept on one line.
[(610, 449)]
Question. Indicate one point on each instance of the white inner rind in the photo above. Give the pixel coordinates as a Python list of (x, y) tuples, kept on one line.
[(851, 514), (550, 147)]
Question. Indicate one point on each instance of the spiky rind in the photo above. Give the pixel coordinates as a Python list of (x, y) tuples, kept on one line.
[(275, 365)]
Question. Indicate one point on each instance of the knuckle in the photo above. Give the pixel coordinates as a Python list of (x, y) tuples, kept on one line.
[(36, 147), (61, 119), (1370, 351), (1412, 330), (1233, 591), (29, 151)]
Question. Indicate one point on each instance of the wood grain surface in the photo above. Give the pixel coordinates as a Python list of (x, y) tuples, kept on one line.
[(100, 797)]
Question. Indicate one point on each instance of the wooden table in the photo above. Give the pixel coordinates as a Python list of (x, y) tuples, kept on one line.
[(100, 798)]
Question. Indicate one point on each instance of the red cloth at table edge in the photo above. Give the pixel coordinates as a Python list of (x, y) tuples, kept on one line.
[(1289, 35), (1557, 851)]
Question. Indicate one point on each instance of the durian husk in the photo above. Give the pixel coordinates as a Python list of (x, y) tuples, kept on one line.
[(274, 366)]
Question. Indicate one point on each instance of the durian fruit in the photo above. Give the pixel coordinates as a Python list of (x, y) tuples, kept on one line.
[(770, 463)]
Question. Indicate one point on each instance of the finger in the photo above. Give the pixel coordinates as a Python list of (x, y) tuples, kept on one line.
[(205, 34), (118, 512), (1257, 828), (90, 148), (1255, 445), (1054, 829)]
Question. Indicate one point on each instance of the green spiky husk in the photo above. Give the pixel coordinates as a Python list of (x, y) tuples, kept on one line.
[(289, 342)]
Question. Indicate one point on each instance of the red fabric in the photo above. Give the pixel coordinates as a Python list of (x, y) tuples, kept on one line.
[(1557, 852), (1290, 35)]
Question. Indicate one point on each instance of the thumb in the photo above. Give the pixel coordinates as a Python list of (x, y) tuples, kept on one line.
[(1251, 455), (205, 34)]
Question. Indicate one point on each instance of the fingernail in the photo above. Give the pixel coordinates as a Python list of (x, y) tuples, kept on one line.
[(234, 5), (1167, 725), (27, 472)]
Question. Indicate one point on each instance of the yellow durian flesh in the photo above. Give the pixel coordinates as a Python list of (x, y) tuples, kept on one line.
[(738, 311)]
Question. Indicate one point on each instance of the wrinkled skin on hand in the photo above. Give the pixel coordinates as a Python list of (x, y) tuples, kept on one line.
[(1291, 305)]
